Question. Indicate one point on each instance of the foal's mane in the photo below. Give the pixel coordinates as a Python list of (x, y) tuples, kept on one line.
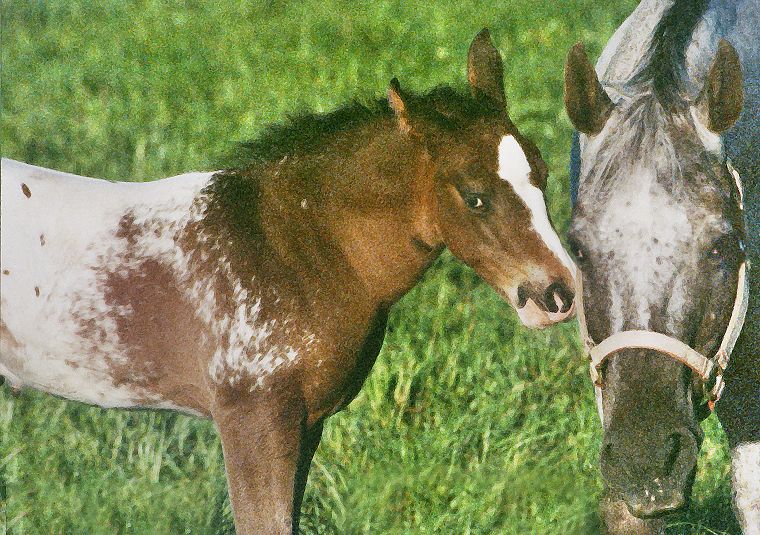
[(444, 106), (664, 64), (233, 196)]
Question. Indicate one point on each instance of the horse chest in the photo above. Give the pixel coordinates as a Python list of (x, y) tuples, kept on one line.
[(334, 372)]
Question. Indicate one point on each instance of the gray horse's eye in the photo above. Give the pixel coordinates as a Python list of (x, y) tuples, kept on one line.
[(577, 250), (726, 247)]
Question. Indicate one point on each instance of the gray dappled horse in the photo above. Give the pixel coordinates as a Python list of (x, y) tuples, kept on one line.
[(659, 235)]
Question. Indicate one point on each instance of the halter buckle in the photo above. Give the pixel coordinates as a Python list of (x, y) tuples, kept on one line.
[(714, 394), (721, 359), (713, 384), (596, 375)]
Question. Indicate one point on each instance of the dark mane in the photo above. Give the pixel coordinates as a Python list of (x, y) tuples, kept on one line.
[(664, 66), (308, 132)]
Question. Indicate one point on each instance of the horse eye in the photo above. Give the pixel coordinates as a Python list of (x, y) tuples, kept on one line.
[(577, 250), (476, 201), (725, 247)]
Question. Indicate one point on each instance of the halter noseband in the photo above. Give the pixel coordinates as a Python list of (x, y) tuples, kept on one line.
[(709, 370)]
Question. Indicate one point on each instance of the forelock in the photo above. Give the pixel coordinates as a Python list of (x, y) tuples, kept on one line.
[(641, 135)]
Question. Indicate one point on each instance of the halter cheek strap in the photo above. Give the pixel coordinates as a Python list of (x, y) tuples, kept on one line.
[(709, 370)]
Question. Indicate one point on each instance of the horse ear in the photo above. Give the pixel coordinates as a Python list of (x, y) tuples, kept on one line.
[(586, 102), (485, 70), (397, 104), (720, 102)]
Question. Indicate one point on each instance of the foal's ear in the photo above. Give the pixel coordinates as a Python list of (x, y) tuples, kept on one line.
[(397, 104), (720, 102), (586, 102), (485, 70)]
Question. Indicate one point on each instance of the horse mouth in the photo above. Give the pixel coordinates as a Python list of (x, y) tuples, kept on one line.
[(646, 508)]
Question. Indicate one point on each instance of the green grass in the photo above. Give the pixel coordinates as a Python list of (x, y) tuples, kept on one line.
[(467, 424)]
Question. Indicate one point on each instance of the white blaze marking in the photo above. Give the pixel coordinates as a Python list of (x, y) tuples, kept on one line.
[(515, 169), (745, 465)]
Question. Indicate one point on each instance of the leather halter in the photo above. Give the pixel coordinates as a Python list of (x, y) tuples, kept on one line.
[(710, 370)]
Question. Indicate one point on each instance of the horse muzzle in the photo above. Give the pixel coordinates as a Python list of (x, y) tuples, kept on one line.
[(539, 308), (652, 472)]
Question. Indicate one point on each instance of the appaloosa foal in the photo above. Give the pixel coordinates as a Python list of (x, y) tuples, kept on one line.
[(259, 296)]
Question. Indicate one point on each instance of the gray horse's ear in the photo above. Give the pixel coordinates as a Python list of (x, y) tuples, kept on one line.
[(720, 102), (485, 70), (397, 104), (586, 101)]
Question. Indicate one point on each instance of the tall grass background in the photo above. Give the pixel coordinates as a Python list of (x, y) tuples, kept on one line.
[(468, 423)]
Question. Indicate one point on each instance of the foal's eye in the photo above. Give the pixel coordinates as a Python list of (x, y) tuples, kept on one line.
[(477, 202)]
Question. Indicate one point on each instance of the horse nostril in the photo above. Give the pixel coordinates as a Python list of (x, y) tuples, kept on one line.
[(673, 449), (558, 297), (567, 295), (680, 453), (551, 302), (522, 296)]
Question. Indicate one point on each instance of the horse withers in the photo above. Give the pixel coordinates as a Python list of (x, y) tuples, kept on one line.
[(258, 296), (664, 235)]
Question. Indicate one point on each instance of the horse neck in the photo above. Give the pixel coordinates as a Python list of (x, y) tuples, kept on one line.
[(357, 217)]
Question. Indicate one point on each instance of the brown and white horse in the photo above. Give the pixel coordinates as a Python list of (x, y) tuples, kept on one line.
[(258, 296)]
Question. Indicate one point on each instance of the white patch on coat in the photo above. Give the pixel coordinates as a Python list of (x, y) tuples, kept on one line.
[(745, 467), (645, 229), (42, 344), (250, 352), (514, 168), (79, 218)]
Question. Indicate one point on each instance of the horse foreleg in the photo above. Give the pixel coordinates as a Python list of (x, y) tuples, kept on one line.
[(739, 413), (308, 448), (263, 441)]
